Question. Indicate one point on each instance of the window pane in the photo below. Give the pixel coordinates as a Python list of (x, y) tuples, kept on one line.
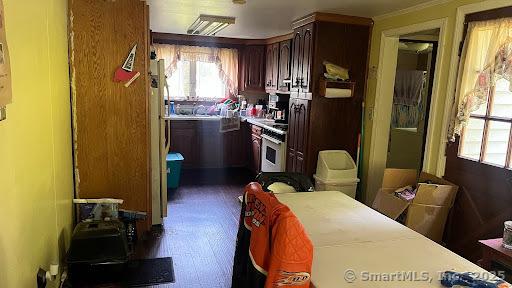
[(179, 82), (497, 143), (209, 84), (502, 102), (472, 139)]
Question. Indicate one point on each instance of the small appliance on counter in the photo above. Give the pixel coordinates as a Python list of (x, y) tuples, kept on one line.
[(278, 105)]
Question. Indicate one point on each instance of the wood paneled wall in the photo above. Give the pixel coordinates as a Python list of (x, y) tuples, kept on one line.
[(111, 122), (482, 204)]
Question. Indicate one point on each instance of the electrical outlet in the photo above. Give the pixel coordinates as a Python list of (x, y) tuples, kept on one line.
[(3, 113)]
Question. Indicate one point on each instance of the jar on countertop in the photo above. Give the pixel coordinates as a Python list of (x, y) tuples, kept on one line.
[(507, 235)]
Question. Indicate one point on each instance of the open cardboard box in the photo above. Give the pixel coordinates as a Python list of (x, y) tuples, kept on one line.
[(428, 211)]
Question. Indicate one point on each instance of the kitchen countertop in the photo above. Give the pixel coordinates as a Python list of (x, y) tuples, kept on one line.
[(261, 122), (192, 118), (264, 123)]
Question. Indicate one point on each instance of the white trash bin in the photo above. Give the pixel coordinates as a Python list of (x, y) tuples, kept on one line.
[(348, 187), (336, 171)]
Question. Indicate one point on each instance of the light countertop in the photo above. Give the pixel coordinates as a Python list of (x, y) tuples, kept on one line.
[(264, 123), (261, 122), (192, 118)]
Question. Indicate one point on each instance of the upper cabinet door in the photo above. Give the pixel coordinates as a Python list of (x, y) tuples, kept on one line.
[(275, 66), (307, 56), (269, 65), (254, 68), (296, 60), (284, 65)]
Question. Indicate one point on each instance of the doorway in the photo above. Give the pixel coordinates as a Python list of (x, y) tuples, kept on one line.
[(381, 113), (415, 70)]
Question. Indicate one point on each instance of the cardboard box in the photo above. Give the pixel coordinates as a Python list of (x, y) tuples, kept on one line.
[(428, 211), (427, 220)]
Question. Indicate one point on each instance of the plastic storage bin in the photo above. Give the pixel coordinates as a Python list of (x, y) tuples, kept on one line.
[(174, 161), (348, 187), (336, 171)]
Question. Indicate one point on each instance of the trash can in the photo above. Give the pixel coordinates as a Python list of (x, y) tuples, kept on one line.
[(174, 161), (336, 171)]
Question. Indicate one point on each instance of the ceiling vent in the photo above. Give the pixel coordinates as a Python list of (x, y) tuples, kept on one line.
[(209, 25)]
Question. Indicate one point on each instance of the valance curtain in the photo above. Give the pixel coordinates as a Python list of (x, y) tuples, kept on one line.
[(225, 59), (486, 58)]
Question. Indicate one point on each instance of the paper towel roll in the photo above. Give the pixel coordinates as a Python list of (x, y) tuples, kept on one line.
[(338, 93)]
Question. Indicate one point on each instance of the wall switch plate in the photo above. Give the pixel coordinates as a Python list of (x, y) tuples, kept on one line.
[(3, 113)]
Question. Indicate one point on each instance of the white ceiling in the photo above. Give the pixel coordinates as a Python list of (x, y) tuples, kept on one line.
[(261, 18)]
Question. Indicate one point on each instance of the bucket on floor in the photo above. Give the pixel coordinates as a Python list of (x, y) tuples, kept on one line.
[(174, 161)]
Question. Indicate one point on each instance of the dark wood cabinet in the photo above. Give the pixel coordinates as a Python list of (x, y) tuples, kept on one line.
[(318, 123), (203, 146), (285, 52), (306, 58), (302, 60), (296, 60), (255, 163), (297, 135), (275, 66), (272, 68), (268, 68), (253, 68)]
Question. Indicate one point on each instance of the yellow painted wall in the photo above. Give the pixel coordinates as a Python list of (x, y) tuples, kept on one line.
[(446, 10), (36, 183)]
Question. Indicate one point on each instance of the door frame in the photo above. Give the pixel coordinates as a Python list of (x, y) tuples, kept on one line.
[(386, 73), (451, 88)]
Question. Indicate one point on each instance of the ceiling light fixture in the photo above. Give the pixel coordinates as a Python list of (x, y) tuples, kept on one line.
[(210, 25), (239, 1)]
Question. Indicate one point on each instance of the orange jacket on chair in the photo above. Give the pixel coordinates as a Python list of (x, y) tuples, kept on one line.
[(273, 250)]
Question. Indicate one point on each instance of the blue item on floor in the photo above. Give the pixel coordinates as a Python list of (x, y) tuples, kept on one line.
[(174, 161)]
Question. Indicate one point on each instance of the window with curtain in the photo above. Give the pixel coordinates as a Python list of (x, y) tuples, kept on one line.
[(199, 73), (483, 110)]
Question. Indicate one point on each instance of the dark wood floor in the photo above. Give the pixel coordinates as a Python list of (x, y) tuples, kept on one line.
[(200, 230)]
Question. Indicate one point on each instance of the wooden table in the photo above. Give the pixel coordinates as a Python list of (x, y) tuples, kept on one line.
[(493, 251), (353, 243)]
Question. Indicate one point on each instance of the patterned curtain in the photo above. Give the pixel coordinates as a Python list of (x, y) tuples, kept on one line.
[(226, 60), (486, 58), (169, 53)]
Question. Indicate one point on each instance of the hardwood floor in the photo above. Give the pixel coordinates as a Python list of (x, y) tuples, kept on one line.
[(199, 232)]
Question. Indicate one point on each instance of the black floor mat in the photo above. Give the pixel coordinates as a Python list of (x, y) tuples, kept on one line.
[(147, 272)]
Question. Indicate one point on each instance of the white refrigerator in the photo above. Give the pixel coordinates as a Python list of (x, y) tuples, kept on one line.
[(160, 131)]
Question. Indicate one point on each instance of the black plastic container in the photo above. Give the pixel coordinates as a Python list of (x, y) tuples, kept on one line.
[(298, 181), (98, 252)]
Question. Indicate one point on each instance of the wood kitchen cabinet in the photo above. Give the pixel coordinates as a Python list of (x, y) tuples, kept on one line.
[(285, 52), (301, 60), (252, 78), (272, 68), (203, 146), (297, 135), (255, 163), (318, 123)]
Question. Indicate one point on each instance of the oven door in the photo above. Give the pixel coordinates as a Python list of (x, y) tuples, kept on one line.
[(273, 153)]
